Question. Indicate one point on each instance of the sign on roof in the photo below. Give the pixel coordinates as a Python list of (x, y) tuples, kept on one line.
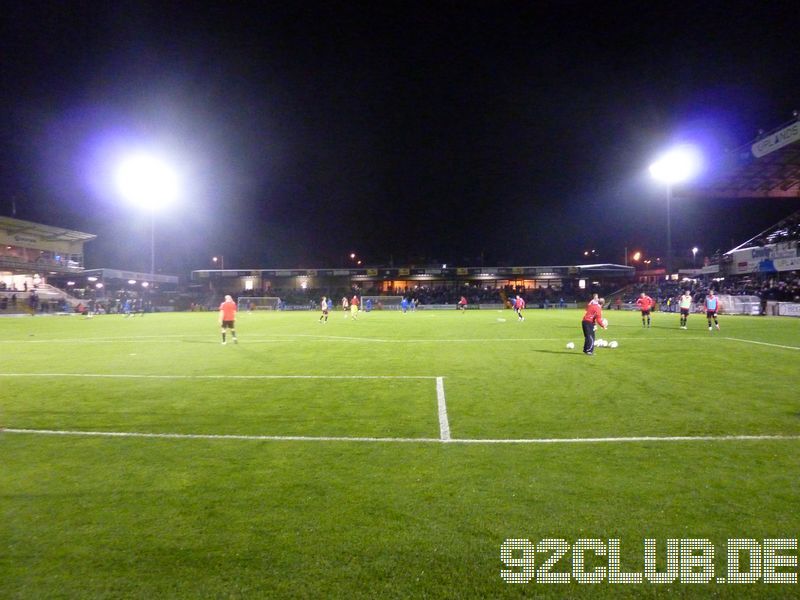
[(779, 139)]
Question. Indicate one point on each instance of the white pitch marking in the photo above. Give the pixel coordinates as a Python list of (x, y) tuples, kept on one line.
[(444, 424), (303, 438), (762, 343), (203, 436), (133, 376)]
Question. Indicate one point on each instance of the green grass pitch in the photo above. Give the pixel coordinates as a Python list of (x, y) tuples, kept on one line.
[(320, 465)]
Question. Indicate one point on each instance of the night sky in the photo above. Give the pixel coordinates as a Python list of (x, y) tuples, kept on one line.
[(450, 132)]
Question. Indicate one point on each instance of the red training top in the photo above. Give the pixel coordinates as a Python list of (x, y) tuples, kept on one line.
[(594, 314), (228, 310), (645, 303)]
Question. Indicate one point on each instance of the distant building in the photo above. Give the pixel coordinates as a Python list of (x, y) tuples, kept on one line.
[(32, 252)]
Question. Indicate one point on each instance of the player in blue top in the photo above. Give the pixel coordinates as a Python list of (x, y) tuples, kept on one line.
[(712, 306), (404, 304)]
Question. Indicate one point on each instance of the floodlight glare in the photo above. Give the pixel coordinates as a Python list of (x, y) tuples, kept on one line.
[(679, 164), (146, 180)]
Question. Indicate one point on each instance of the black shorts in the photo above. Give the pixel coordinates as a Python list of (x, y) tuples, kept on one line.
[(685, 312), (711, 314), (645, 313), (227, 325)]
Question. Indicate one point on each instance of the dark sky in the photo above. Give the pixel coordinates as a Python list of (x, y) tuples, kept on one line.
[(431, 131)]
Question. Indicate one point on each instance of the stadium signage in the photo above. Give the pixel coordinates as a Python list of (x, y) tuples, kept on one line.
[(777, 140), (788, 309)]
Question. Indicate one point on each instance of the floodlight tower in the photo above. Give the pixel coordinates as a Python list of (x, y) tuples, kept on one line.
[(675, 166), (147, 181)]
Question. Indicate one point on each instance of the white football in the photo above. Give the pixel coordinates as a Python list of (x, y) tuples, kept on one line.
[(570, 346), (613, 344)]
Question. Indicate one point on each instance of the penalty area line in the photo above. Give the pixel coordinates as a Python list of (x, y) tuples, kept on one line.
[(444, 424), (403, 440)]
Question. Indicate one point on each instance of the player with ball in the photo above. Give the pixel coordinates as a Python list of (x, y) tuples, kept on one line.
[(592, 318)]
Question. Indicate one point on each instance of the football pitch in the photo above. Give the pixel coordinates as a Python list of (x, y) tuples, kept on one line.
[(389, 457)]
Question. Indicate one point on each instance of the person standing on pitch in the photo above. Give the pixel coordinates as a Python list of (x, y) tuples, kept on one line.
[(324, 307), (712, 307), (593, 316), (645, 304), (227, 318), (345, 306), (519, 306), (354, 307), (685, 304)]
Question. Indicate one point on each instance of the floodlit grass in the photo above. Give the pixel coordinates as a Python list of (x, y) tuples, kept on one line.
[(186, 517)]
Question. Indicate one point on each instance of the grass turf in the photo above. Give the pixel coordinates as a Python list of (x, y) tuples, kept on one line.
[(144, 517)]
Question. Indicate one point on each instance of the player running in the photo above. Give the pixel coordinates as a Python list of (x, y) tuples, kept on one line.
[(645, 304), (227, 318), (685, 303), (592, 318), (519, 306), (324, 307), (712, 307), (462, 304)]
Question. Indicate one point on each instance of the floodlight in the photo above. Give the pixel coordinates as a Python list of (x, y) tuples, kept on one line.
[(677, 165), (147, 181)]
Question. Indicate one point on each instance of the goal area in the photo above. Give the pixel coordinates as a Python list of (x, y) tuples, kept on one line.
[(382, 302), (258, 303)]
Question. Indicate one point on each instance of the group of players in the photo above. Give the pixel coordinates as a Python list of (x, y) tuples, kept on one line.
[(645, 304), (592, 318)]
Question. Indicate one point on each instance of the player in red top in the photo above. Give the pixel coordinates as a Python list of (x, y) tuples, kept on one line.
[(462, 304), (593, 316), (645, 304), (227, 318), (519, 305), (354, 307)]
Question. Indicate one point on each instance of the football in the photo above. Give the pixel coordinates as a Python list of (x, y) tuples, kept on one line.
[(570, 346), (613, 344)]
